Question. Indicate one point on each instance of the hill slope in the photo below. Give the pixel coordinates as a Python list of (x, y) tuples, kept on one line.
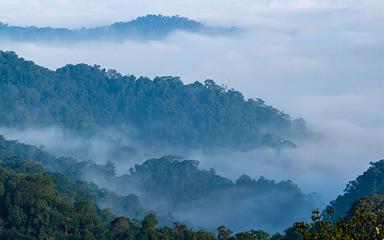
[(128, 205), (39, 205), (371, 182), (159, 112), (178, 189), (43, 205), (204, 198)]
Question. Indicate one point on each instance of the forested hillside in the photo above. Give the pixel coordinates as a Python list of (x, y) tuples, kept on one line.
[(37, 205), (364, 220), (178, 190), (128, 205), (369, 183), (206, 199), (47, 197), (235, 120), (159, 112), (41, 205), (150, 27)]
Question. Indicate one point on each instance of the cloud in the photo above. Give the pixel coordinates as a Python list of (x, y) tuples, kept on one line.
[(321, 60), (90, 13)]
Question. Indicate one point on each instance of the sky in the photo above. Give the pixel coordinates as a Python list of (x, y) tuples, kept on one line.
[(81, 13), (92, 12), (317, 59)]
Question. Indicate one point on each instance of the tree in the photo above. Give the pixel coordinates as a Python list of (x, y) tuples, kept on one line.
[(148, 229), (122, 229), (224, 233)]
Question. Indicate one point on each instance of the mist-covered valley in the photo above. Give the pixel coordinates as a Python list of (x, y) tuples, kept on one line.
[(121, 121), (329, 79), (292, 115)]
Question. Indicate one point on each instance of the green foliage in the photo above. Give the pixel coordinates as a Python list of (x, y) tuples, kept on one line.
[(174, 180), (41, 205), (180, 181), (32, 208), (179, 186), (182, 187), (370, 182), (122, 229), (224, 233), (70, 171), (253, 235), (364, 221), (158, 112)]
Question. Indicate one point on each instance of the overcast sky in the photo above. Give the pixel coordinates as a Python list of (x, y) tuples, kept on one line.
[(318, 59), (71, 13)]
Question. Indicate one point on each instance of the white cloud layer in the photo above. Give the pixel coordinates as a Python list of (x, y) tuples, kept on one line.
[(322, 60)]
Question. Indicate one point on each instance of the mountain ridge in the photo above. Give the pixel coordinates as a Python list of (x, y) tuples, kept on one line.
[(148, 27), (175, 189), (186, 115)]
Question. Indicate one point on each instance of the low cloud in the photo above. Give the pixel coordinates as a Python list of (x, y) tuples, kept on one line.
[(318, 60)]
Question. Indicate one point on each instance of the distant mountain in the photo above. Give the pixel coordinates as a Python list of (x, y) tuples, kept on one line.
[(162, 112), (371, 182), (149, 27)]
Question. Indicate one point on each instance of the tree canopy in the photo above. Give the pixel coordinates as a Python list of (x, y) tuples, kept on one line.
[(371, 182), (159, 112), (178, 189)]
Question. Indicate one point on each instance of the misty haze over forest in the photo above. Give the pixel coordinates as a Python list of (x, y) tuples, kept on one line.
[(206, 113)]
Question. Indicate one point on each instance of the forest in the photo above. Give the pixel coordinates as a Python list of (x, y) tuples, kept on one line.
[(181, 191), (43, 196), (36, 204), (162, 112)]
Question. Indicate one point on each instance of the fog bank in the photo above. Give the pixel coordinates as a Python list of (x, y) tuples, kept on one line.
[(320, 60)]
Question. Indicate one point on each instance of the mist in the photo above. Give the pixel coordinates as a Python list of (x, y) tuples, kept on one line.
[(108, 145), (318, 60)]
